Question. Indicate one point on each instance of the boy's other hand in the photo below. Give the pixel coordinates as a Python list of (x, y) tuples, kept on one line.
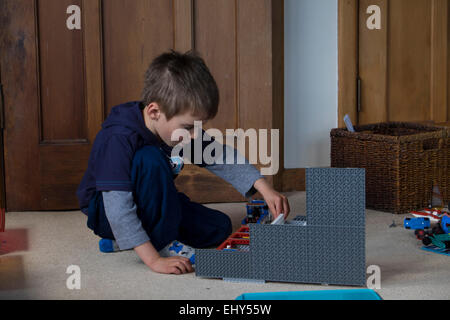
[(172, 265), (276, 202)]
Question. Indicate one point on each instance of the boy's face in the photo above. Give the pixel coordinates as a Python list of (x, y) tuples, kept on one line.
[(157, 122), (166, 128)]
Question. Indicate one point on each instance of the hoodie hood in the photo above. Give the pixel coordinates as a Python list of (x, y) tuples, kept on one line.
[(129, 115)]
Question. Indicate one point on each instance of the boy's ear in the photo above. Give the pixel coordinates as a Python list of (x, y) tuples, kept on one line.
[(153, 110)]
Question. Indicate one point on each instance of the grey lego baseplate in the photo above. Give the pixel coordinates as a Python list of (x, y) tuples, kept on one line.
[(222, 264), (325, 247), (335, 198)]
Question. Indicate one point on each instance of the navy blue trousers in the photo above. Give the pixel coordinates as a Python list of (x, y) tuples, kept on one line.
[(165, 213)]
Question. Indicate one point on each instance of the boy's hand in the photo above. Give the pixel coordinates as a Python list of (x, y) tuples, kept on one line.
[(276, 202), (173, 265), (151, 257)]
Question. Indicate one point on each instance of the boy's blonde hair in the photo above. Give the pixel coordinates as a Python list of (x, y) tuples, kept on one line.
[(180, 83)]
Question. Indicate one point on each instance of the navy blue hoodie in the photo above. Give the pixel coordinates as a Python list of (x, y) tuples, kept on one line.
[(109, 168)]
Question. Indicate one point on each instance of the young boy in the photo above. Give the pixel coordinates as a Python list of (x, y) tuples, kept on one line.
[(128, 190)]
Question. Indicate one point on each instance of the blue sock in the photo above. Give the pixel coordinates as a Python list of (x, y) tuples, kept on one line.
[(108, 245)]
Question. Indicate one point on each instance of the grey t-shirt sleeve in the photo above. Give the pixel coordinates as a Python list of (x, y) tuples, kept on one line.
[(121, 212), (236, 170)]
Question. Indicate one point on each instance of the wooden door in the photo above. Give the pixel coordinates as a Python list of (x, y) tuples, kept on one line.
[(403, 66), (60, 84), (51, 114)]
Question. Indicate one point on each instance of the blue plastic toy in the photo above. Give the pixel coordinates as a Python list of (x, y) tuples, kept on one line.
[(417, 223), (445, 223), (348, 294)]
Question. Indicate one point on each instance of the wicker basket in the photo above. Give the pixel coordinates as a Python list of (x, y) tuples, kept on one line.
[(403, 162)]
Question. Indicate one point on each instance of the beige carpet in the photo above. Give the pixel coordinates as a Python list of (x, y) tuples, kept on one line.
[(57, 240)]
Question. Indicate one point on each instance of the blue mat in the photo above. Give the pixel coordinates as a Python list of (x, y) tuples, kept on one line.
[(352, 294)]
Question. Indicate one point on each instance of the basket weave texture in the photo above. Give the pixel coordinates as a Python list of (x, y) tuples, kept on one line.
[(403, 162)]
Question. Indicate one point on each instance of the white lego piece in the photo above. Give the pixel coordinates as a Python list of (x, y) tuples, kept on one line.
[(279, 219)]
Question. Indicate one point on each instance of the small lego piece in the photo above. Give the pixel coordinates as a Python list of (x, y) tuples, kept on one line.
[(393, 225), (279, 219), (257, 212), (233, 244)]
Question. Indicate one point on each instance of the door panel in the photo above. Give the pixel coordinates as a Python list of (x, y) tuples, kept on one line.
[(214, 21), (409, 60), (132, 36), (47, 105), (61, 65), (403, 66)]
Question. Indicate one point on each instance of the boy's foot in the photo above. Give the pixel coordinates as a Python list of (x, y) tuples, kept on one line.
[(108, 245), (178, 249)]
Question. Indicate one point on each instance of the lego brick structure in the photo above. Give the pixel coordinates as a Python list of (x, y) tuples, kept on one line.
[(325, 247)]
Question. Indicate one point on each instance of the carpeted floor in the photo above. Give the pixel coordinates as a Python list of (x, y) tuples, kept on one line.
[(38, 247)]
